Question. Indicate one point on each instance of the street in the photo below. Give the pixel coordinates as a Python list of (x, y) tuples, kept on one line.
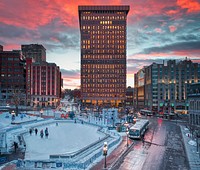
[(163, 148)]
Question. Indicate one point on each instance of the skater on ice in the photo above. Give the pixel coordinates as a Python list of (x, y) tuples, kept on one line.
[(41, 133)]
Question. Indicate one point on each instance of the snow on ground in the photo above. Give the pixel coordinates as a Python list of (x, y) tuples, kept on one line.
[(67, 137), (191, 142), (134, 160), (64, 138), (6, 119)]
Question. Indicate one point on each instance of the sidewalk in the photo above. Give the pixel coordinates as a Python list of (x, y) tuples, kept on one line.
[(9, 166), (191, 150), (112, 157), (11, 157)]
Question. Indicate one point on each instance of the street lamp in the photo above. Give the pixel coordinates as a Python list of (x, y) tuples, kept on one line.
[(126, 124), (127, 132), (134, 120), (13, 115), (105, 150), (41, 112)]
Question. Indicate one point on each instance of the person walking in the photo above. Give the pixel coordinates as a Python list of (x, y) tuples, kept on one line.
[(30, 131), (15, 146), (41, 133), (36, 131), (46, 133)]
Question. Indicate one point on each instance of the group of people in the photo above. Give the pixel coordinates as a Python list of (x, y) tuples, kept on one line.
[(42, 133), (46, 132), (81, 121)]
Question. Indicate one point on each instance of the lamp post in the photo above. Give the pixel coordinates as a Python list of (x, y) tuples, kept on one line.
[(41, 112), (134, 120), (127, 132), (126, 124), (105, 150), (13, 115)]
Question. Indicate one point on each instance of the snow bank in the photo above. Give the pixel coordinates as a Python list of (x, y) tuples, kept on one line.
[(193, 143)]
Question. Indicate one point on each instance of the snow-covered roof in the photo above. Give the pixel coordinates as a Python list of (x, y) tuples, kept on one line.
[(139, 124)]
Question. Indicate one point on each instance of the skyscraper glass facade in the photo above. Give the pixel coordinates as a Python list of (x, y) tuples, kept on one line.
[(103, 54)]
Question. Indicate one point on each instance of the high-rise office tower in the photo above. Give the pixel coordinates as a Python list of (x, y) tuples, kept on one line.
[(103, 54), (35, 51)]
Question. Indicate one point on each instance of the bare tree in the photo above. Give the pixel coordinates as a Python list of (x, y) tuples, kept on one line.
[(18, 98)]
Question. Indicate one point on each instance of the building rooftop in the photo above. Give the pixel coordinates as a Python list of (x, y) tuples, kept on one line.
[(104, 8)]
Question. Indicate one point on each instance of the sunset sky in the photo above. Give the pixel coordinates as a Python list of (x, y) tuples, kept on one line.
[(157, 30)]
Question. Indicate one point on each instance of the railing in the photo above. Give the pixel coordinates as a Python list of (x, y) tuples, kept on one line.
[(72, 163), (80, 164), (117, 163), (50, 164), (77, 153)]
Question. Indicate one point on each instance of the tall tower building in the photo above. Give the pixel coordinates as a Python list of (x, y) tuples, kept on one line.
[(103, 54), (35, 51)]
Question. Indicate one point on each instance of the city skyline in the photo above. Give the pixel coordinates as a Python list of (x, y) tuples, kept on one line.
[(156, 31)]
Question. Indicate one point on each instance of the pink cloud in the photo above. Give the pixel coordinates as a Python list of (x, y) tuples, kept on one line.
[(172, 28), (170, 55), (148, 56), (190, 5), (54, 39), (187, 53), (32, 14), (172, 12), (71, 83), (158, 30), (10, 47)]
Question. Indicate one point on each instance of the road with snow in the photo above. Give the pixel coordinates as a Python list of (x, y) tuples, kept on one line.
[(166, 150)]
